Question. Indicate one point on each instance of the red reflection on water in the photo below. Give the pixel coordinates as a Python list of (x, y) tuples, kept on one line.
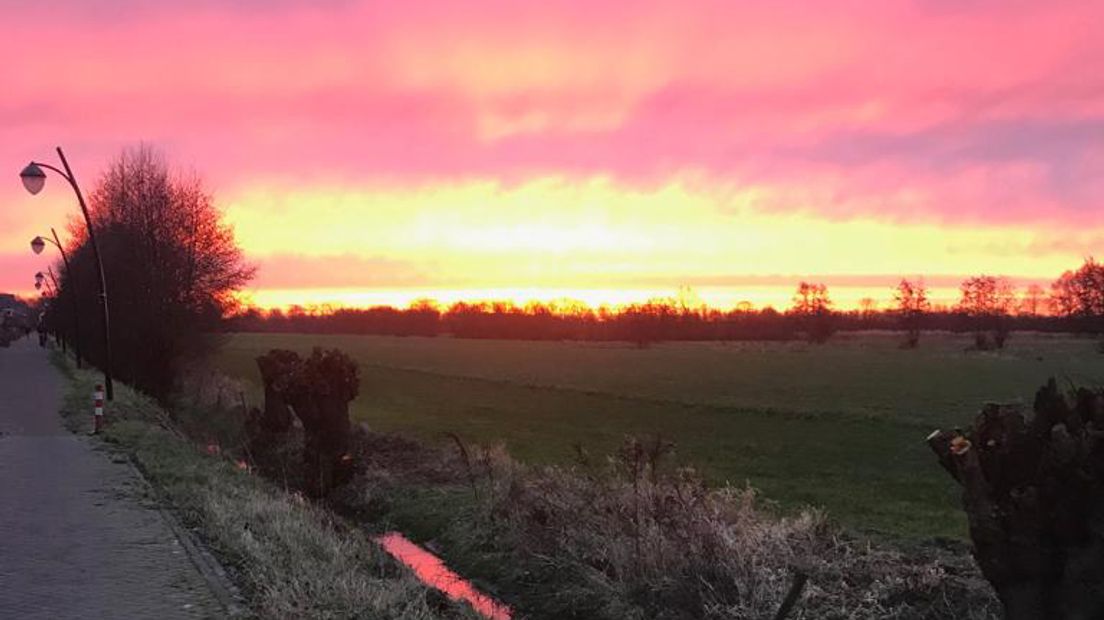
[(433, 572)]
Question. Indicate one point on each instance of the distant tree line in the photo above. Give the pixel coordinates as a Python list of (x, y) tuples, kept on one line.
[(988, 308)]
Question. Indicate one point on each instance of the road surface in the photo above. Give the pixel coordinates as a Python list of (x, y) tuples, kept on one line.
[(78, 537)]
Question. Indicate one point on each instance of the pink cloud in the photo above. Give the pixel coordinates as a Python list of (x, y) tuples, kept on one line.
[(940, 111)]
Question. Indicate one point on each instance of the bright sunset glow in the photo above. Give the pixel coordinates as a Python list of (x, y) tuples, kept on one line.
[(603, 152)]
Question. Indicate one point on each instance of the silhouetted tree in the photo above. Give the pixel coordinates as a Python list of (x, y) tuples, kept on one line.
[(653, 321), (673, 318), (1034, 300), (172, 267), (1080, 295), (868, 307), (814, 309), (912, 304), (988, 301)]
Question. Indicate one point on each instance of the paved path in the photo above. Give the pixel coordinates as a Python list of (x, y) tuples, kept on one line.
[(77, 538)]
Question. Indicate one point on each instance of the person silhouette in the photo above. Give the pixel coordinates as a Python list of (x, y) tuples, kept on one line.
[(42, 329)]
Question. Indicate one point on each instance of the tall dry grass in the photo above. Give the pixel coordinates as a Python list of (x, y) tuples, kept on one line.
[(631, 537)]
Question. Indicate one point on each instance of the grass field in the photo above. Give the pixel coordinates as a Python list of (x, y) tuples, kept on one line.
[(840, 426)]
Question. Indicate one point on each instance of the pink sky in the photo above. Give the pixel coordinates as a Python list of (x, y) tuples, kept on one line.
[(579, 144)]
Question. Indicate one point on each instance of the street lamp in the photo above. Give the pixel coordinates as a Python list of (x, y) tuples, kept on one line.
[(49, 293), (37, 245), (51, 284), (34, 179)]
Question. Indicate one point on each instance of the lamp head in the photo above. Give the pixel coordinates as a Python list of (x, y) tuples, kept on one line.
[(34, 178), (38, 244)]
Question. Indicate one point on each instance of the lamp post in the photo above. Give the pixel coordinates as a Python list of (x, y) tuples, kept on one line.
[(34, 179), (49, 289), (37, 245), (40, 281)]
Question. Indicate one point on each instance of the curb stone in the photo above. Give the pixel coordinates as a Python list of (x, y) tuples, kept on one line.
[(228, 594)]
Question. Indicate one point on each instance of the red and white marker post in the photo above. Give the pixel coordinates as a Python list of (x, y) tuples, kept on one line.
[(97, 414)]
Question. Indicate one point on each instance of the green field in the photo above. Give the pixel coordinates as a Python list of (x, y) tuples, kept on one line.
[(840, 426)]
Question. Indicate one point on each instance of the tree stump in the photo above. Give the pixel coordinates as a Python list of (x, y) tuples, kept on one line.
[(277, 368), (267, 429), (318, 391), (1033, 492)]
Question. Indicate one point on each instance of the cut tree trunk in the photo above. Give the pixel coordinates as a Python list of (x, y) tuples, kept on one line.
[(319, 392), (277, 367), (1033, 492)]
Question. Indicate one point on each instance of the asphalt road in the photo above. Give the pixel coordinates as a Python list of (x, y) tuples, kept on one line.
[(78, 536)]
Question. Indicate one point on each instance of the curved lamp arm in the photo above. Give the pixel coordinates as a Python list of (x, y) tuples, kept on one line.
[(67, 174)]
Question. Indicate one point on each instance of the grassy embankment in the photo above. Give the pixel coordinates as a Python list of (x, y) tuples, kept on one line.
[(291, 559), (627, 537), (839, 426)]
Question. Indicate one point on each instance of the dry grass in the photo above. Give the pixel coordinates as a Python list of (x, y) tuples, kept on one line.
[(627, 538), (292, 559)]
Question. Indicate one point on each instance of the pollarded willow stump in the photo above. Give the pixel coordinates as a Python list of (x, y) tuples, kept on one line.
[(277, 367), (1033, 492), (320, 392), (267, 429)]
